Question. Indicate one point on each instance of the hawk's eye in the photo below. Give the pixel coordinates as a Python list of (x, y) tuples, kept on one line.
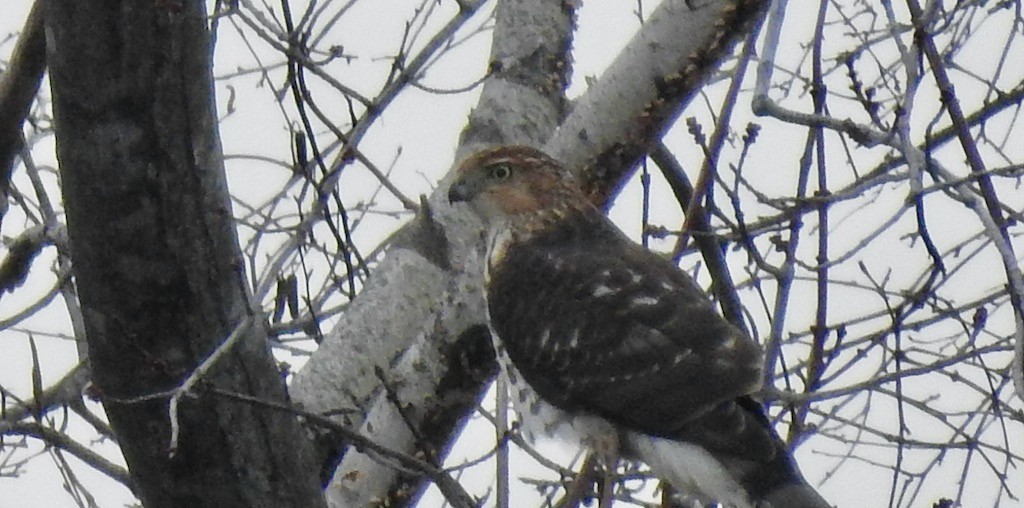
[(501, 171)]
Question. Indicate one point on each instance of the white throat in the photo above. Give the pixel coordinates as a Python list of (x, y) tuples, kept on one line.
[(499, 238)]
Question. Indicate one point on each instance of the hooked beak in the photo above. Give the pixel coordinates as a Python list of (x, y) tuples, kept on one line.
[(459, 191)]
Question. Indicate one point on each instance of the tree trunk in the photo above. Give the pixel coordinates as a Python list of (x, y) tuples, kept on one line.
[(156, 258)]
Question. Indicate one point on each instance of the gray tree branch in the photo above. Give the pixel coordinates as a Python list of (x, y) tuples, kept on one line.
[(18, 85), (411, 311)]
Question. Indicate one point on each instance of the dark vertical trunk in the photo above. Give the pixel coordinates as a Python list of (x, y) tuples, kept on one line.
[(156, 257)]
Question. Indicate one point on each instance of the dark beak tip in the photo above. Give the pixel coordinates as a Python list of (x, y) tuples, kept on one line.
[(457, 193)]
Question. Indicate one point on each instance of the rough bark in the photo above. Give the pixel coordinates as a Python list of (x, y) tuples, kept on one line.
[(412, 308), (156, 257)]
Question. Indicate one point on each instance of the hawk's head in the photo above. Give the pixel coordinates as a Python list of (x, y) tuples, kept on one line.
[(509, 183)]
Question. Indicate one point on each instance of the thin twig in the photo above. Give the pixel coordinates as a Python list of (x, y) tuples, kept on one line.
[(186, 388)]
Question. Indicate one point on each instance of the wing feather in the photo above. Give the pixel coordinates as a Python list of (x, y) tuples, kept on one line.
[(597, 324)]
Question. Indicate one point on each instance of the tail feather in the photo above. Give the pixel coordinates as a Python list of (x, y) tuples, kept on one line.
[(736, 483), (689, 468)]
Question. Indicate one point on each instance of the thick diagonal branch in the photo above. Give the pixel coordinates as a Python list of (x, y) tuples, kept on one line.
[(412, 312), (18, 85)]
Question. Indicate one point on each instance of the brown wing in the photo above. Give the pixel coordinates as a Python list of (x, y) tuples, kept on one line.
[(598, 324)]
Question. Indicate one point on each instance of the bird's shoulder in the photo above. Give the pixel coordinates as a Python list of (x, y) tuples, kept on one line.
[(597, 323)]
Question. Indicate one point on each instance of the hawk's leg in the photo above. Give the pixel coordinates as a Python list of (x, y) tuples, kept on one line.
[(580, 487), (599, 468), (606, 447)]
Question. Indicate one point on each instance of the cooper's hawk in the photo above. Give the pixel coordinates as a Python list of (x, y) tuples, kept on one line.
[(606, 341)]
